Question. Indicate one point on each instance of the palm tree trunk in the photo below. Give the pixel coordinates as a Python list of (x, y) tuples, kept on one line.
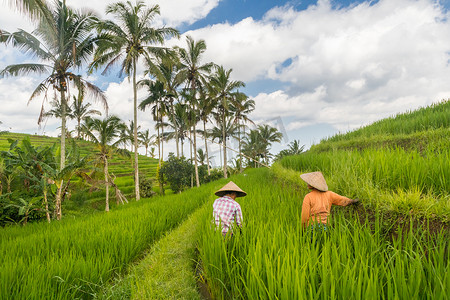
[(176, 128), (224, 141), (136, 156), (47, 214), (206, 147), (78, 128), (162, 141), (63, 130), (58, 201), (240, 153), (197, 181), (105, 170), (182, 146), (159, 148)]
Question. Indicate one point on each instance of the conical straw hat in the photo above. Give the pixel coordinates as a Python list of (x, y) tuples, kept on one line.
[(230, 187), (315, 179)]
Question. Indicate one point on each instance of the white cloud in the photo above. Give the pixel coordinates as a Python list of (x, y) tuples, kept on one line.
[(345, 67)]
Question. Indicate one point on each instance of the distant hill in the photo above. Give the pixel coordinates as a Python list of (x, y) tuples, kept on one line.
[(83, 201)]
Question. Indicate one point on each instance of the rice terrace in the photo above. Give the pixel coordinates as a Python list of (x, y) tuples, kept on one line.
[(225, 150)]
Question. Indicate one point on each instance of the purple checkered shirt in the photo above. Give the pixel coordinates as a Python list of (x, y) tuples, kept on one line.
[(225, 212)]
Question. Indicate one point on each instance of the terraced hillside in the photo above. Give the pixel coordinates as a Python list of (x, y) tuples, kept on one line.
[(83, 200)]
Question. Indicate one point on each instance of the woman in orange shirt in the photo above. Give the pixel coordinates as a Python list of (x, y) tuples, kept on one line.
[(317, 203)]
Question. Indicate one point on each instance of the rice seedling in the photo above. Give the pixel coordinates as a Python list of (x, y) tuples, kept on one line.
[(274, 258), (73, 258)]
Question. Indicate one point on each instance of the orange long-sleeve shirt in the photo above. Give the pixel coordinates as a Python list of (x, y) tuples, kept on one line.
[(316, 206)]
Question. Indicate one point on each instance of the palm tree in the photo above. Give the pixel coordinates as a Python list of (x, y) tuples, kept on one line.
[(131, 38), (165, 71), (205, 107), (178, 124), (269, 135), (105, 133), (241, 106), (62, 41), (79, 111), (224, 90), (216, 133), (146, 139), (155, 99), (193, 72), (254, 146)]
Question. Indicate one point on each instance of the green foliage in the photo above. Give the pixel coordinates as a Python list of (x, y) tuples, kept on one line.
[(177, 172), (146, 187)]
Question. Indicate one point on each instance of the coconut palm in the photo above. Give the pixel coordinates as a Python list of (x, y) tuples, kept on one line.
[(105, 134), (181, 118), (146, 139), (155, 100), (223, 89), (131, 38), (62, 42), (269, 135), (241, 107), (80, 111), (205, 108), (216, 133), (165, 71), (254, 146), (193, 72)]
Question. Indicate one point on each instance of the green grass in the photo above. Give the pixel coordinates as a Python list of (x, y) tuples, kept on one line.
[(274, 258), (74, 257), (427, 118)]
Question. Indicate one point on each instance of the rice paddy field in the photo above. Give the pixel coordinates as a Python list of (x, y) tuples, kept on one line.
[(395, 244), (83, 200)]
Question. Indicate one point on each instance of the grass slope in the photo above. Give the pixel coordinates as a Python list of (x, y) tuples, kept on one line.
[(82, 201)]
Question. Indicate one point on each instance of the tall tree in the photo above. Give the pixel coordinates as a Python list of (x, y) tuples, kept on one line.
[(62, 42), (165, 71), (241, 107), (80, 111), (131, 38), (206, 107), (105, 134), (155, 100), (224, 90), (193, 72), (269, 135), (146, 139)]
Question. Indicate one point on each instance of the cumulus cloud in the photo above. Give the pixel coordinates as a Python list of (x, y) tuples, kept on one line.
[(173, 12), (342, 66), (345, 66)]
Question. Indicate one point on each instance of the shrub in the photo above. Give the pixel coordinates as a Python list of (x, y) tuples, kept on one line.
[(146, 187), (177, 172)]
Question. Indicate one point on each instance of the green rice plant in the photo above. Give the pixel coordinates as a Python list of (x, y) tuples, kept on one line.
[(431, 117), (73, 258), (380, 177), (274, 258)]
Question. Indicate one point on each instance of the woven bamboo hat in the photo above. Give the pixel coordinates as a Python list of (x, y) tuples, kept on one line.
[(316, 180), (230, 187)]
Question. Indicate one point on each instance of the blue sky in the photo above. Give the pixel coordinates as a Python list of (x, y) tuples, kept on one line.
[(314, 67)]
